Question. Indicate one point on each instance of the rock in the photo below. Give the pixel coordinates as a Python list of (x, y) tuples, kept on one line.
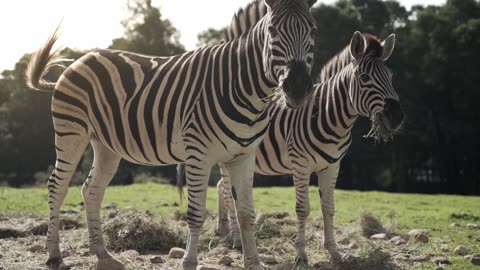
[(129, 253), (422, 258), (36, 248), (455, 224), (474, 259), (445, 248), (473, 226), (353, 245), (395, 239), (268, 259), (176, 253), (140, 259), (418, 235), (378, 236), (157, 259), (441, 260), (461, 250), (225, 260), (401, 242)]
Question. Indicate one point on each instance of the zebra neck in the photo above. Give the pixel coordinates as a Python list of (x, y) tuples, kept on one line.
[(251, 82), (334, 102)]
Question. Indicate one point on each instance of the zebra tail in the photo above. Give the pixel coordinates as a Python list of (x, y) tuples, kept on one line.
[(181, 180), (41, 62)]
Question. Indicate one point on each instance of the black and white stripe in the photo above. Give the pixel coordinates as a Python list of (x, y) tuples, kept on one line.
[(202, 107)]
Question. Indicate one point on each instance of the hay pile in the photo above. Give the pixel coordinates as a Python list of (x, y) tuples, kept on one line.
[(142, 232)]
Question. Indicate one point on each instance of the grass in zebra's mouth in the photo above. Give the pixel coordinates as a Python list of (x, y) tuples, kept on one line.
[(379, 130)]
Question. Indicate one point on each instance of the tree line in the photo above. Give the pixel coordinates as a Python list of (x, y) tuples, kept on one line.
[(435, 63)]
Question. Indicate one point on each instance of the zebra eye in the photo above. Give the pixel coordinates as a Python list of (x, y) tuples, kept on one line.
[(272, 31), (364, 78), (313, 32)]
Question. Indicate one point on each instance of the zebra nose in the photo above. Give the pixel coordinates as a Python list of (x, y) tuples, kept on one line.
[(298, 84), (393, 113)]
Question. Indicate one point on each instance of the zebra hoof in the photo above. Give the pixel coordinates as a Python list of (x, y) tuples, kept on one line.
[(189, 265), (54, 263), (109, 264)]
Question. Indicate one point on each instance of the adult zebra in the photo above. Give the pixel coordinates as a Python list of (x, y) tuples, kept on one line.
[(355, 82), (315, 139), (201, 107)]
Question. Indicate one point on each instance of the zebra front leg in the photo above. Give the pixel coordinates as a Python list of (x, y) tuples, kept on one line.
[(241, 174), (229, 208), (301, 179), (105, 164), (69, 150), (197, 173), (326, 182)]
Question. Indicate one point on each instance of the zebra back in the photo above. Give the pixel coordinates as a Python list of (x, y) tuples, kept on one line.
[(335, 64), (245, 19)]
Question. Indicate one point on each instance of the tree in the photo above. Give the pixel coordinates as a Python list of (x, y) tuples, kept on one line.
[(210, 37), (146, 32)]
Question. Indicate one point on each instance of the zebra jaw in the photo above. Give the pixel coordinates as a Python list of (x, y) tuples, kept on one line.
[(380, 129)]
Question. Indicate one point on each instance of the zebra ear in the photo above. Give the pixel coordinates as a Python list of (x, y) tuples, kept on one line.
[(310, 3), (357, 45), (388, 44), (269, 3)]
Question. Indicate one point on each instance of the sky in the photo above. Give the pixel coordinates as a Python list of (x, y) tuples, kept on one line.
[(89, 24)]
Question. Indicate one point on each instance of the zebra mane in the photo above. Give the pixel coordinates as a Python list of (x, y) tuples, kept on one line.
[(245, 19), (344, 57)]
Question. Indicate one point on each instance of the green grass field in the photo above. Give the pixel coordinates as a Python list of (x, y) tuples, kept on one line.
[(431, 212)]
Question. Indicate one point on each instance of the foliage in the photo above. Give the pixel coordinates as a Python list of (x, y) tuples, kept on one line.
[(210, 37), (436, 76), (146, 31)]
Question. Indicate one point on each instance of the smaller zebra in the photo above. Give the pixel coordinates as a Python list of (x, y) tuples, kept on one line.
[(315, 139)]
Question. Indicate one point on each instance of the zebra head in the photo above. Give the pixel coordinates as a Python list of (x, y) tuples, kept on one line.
[(371, 91), (288, 50)]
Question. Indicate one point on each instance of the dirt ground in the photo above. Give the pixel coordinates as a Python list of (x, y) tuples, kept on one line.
[(22, 245)]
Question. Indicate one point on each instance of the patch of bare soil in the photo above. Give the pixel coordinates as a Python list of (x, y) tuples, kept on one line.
[(141, 241)]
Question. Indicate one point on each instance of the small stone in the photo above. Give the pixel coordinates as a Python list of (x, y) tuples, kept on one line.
[(415, 231), (455, 224), (473, 226), (445, 248), (378, 236), (157, 259), (176, 253), (475, 259), (395, 239), (401, 242), (353, 245), (441, 260), (36, 248), (461, 250), (418, 236), (268, 259), (129, 253), (226, 260), (422, 258)]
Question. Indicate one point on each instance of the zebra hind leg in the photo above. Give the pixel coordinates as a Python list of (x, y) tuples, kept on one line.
[(69, 150), (222, 223), (105, 164), (225, 191)]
